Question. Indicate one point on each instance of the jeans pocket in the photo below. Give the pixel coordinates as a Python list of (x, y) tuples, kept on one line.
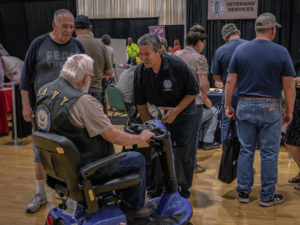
[(240, 109), (272, 112)]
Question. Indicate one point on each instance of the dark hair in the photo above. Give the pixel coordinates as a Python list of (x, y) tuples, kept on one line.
[(106, 39), (147, 39), (198, 28), (193, 37)]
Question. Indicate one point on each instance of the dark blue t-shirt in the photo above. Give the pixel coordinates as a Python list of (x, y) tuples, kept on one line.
[(222, 58), (44, 60), (260, 65)]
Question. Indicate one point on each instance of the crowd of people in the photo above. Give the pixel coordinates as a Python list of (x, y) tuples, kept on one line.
[(60, 69)]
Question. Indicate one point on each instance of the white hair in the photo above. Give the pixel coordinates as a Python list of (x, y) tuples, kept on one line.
[(76, 67)]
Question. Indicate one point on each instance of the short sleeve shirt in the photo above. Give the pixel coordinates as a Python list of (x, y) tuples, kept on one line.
[(97, 50), (88, 113), (166, 88), (44, 60), (197, 63), (260, 65), (13, 67), (3, 51), (125, 85), (223, 56)]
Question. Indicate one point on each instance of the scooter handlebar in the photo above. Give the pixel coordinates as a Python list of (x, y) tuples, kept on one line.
[(154, 126)]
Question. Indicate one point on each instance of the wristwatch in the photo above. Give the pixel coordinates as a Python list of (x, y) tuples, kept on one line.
[(228, 106)]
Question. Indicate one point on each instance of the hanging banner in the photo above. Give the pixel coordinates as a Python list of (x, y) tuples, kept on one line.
[(158, 30), (232, 9)]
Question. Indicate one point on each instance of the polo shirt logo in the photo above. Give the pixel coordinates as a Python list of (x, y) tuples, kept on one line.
[(167, 85)]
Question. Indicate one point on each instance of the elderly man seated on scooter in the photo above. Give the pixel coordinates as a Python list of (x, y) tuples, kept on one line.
[(80, 117)]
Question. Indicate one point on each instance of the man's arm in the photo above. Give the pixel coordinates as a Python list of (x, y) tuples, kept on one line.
[(173, 112), (136, 48), (119, 137), (203, 82), (107, 74), (27, 110), (289, 93), (144, 113), (208, 103), (218, 81), (229, 89)]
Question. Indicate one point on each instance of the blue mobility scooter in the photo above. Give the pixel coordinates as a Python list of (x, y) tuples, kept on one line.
[(94, 204)]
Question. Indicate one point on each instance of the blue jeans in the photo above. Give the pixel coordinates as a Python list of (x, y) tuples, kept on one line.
[(210, 123), (258, 121), (225, 121), (135, 195)]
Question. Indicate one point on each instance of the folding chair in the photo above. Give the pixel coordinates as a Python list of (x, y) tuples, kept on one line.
[(115, 100)]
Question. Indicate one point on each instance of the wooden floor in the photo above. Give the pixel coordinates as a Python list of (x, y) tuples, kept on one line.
[(213, 202)]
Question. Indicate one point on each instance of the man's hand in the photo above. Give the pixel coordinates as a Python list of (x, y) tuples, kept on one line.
[(230, 113), (146, 135), (27, 113), (170, 114), (219, 84), (287, 117)]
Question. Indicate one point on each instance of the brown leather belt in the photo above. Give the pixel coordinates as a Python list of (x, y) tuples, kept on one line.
[(260, 99)]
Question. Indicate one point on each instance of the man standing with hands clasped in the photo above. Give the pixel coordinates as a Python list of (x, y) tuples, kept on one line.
[(260, 68)]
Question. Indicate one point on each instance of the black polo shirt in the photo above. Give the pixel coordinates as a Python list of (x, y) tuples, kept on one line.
[(166, 88)]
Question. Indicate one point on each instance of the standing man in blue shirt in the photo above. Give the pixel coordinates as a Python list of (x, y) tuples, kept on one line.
[(231, 36), (260, 68), (43, 62)]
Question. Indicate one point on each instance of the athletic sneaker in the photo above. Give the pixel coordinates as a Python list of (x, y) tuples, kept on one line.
[(38, 200), (276, 200), (243, 196)]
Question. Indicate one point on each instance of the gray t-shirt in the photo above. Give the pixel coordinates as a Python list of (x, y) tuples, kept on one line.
[(125, 85), (44, 60)]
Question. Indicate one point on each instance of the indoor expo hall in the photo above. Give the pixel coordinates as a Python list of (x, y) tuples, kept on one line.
[(213, 202), (189, 43)]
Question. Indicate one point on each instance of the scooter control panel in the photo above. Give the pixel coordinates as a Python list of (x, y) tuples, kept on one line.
[(150, 125)]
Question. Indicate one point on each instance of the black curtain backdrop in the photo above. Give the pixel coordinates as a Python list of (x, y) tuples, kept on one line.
[(124, 27), (285, 11), (175, 32), (134, 27), (22, 21)]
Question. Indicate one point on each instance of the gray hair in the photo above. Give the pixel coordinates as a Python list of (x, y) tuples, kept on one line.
[(59, 12), (76, 67), (147, 39)]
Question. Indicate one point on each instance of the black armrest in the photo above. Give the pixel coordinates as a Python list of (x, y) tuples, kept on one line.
[(91, 168)]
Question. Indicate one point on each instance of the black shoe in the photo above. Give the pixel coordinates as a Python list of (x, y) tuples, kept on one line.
[(243, 196), (199, 169), (208, 146), (276, 200)]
